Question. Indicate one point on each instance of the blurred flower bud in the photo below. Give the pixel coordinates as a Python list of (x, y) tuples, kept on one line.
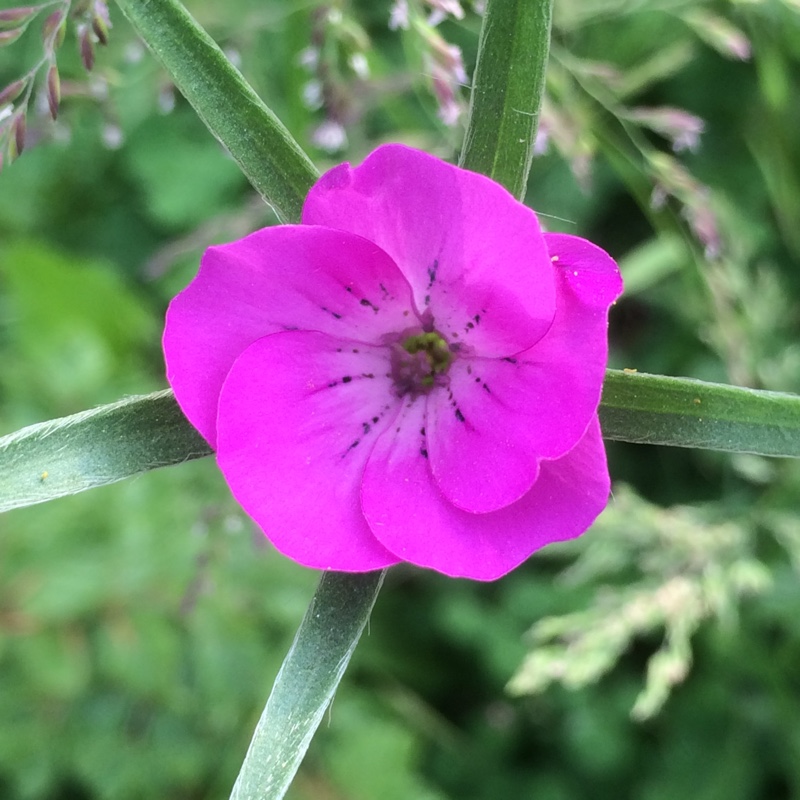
[(443, 8), (542, 142), (10, 36), (101, 22), (19, 15), (674, 180), (234, 56), (330, 136), (719, 33), (312, 94), (12, 91), (100, 29), (450, 108), (398, 16), (134, 52), (166, 99), (54, 29), (98, 88), (112, 136), (703, 223), (359, 65), (658, 197), (16, 139), (308, 58), (86, 46), (680, 127), (53, 90)]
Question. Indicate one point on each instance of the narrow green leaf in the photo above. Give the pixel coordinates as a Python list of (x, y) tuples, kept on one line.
[(93, 448), (260, 143), (107, 444), (507, 91), (306, 682), (655, 409)]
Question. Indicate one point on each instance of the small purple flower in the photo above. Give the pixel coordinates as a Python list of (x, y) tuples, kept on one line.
[(412, 374)]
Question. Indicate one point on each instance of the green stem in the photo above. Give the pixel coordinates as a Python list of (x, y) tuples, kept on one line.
[(656, 409), (507, 91), (94, 448), (269, 157), (97, 447), (306, 682)]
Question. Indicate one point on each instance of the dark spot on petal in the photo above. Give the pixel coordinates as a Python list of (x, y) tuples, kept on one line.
[(367, 375), (432, 272), (427, 299), (366, 427), (422, 431), (423, 452), (355, 349), (459, 415), (348, 289), (510, 360), (375, 420), (365, 302), (352, 446), (332, 384), (346, 379), (470, 326)]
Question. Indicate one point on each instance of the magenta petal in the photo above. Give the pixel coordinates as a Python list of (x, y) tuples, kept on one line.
[(591, 274), (298, 415), (482, 457), (475, 257), (284, 278), (409, 515), (499, 417)]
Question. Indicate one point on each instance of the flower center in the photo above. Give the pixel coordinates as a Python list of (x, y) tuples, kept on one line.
[(420, 362)]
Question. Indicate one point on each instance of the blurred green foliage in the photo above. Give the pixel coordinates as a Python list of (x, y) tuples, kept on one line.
[(141, 625)]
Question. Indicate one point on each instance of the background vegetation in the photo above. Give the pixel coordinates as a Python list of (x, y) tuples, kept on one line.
[(141, 625)]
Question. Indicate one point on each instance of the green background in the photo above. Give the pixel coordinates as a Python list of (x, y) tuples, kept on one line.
[(142, 624)]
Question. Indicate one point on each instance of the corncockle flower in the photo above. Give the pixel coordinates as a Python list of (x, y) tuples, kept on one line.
[(412, 374)]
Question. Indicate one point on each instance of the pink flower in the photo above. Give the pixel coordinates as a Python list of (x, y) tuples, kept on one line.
[(412, 374)]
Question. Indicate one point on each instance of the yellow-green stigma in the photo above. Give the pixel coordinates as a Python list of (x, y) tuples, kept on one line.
[(435, 348), (420, 363)]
